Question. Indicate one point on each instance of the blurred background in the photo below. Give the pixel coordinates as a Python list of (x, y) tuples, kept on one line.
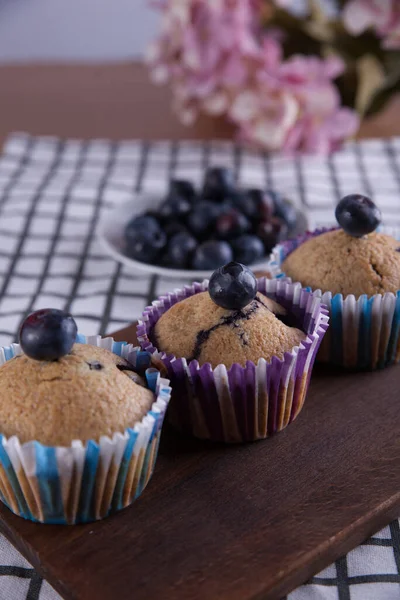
[(87, 30), (71, 45)]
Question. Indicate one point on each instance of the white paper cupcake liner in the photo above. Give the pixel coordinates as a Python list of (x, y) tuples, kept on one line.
[(364, 333), (240, 404), (85, 481)]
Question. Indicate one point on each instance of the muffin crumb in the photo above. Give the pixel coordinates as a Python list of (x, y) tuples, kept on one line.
[(196, 328), (84, 395), (339, 263)]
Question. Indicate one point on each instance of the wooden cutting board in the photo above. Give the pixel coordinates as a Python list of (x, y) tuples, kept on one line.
[(246, 522)]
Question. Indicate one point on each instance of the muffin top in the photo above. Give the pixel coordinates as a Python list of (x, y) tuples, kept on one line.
[(197, 328), (83, 395), (342, 264)]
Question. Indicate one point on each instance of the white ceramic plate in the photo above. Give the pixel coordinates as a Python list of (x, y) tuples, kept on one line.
[(111, 235)]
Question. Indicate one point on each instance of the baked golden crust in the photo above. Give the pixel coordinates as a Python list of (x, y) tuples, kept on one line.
[(81, 396), (197, 328), (338, 263)]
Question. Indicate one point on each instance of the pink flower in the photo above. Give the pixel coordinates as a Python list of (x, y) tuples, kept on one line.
[(322, 136), (217, 62), (392, 40), (321, 123), (264, 120), (381, 15), (300, 69)]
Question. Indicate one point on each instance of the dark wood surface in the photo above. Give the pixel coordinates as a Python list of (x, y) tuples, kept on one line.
[(246, 522)]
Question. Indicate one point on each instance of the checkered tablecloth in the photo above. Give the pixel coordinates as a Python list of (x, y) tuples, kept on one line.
[(52, 195)]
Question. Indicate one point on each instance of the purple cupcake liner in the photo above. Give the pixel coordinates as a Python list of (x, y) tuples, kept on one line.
[(240, 404)]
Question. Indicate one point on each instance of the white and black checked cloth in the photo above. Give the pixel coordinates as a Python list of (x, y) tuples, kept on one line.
[(52, 194)]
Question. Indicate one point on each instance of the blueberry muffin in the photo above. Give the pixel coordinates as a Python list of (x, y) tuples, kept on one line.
[(83, 395), (80, 422), (198, 328), (356, 271), (238, 351)]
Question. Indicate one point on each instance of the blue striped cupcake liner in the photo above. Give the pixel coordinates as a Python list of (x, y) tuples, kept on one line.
[(364, 332), (240, 404), (87, 480)]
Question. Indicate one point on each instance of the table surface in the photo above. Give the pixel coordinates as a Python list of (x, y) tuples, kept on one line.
[(115, 101), (118, 101)]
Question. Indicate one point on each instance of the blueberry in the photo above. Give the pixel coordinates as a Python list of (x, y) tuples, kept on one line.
[(171, 228), (152, 213), (47, 334), (146, 246), (272, 232), (201, 220), (174, 206), (180, 250), (231, 223), (223, 208), (145, 221), (218, 183), (95, 365), (211, 255), (283, 209), (357, 215), (232, 286), (262, 202), (183, 189), (247, 249), (164, 261), (266, 205), (245, 203), (141, 223)]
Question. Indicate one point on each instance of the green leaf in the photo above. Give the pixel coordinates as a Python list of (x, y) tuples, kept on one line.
[(319, 25), (319, 31), (379, 99), (371, 77), (391, 61)]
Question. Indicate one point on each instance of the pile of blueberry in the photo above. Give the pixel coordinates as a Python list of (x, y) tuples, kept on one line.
[(207, 230)]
